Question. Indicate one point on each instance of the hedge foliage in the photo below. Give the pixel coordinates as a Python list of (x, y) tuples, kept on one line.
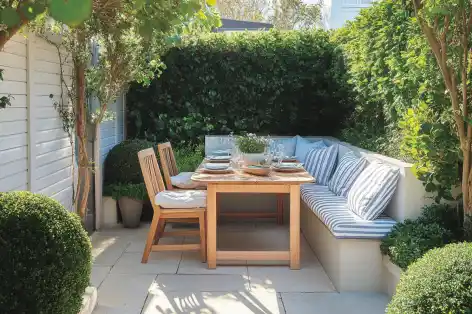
[(122, 163), (45, 256), (402, 109), (438, 225), (438, 283), (410, 240), (275, 82)]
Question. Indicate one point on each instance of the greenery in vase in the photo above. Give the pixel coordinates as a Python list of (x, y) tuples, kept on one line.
[(251, 144), (135, 191)]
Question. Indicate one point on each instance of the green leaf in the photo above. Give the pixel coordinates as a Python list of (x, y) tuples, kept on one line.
[(70, 12), (32, 9), (9, 17)]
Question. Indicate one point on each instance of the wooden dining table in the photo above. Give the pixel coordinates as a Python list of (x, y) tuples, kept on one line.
[(238, 181)]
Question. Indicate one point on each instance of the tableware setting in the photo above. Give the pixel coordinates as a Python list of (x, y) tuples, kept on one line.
[(217, 168), (218, 158), (288, 167), (258, 170)]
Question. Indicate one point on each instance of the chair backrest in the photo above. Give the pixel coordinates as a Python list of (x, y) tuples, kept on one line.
[(151, 173), (168, 163)]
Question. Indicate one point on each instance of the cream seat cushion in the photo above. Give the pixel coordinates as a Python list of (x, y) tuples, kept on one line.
[(184, 181), (181, 199)]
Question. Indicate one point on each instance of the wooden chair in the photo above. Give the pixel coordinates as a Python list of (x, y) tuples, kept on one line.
[(154, 185), (169, 165)]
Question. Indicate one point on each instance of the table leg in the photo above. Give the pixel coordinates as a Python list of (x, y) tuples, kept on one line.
[(295, 226), (211, 225)]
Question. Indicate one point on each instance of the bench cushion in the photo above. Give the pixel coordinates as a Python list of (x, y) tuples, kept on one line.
[(373, 190), (304, 146), (349, 168), (333, 211), (320, 163)]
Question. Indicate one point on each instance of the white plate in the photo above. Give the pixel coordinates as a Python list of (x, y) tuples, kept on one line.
[(222, 152), (289, 165), (227, 157), (216, 166)]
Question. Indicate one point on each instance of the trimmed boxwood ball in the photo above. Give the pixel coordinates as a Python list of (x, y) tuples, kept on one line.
[(122, 163), (45, 256), (438, 283)]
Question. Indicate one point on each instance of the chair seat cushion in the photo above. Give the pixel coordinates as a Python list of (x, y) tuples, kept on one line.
[(184, 181), (181, 199), (333, 211)]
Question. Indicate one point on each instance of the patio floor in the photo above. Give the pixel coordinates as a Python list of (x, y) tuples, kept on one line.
[(176, 282)]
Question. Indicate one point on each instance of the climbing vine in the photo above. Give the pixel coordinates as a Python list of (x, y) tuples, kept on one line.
[(4, 100)]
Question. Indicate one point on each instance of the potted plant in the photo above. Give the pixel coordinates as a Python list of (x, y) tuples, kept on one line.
[(252, 148), (130, 198)]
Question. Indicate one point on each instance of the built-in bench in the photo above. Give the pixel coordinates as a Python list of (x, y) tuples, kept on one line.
[(347, 246)]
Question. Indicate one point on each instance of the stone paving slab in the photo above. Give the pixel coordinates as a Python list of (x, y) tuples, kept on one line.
[(178, 282)]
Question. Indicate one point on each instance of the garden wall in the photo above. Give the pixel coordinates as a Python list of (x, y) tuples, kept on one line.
[(35, 152), (282, 83)]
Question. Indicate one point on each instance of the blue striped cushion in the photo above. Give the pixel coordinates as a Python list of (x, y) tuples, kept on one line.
[(320, 163), (349, 168), (373, 190), (332, 210)]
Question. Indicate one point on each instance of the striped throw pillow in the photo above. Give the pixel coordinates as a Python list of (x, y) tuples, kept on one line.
[(349, 168), (373, 190), (320, 163)]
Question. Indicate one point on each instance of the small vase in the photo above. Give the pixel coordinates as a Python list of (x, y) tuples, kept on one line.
[(253, 158)]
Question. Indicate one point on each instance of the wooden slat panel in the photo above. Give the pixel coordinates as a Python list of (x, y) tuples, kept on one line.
[(47, 147), (12, 60), (18, 101), (253, 255), (14, 167), (14, 127), (50, 135), (10, 155), (14, 74), (53, 177), (15, 47), (57, 165), (13, 88), (13, 141), (55, 155), (13, 114), (13, 182)]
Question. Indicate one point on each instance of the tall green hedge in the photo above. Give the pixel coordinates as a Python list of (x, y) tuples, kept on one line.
[(275, 82), (402, 109)]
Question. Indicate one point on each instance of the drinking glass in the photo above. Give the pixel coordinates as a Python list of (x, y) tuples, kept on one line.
[(279, 153)]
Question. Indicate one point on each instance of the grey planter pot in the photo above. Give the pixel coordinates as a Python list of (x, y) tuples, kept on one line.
[(131, 210), (253, 159)]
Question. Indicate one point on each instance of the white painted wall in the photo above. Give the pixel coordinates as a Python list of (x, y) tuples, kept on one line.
[(336, 12), (35, 152)]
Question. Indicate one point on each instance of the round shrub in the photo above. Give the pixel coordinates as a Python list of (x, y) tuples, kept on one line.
[(438, 283), (448, 216), (409, 240), (45, 256), (122, 163)]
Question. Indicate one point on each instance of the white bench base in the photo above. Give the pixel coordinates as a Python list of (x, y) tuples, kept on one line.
[(351, 264)]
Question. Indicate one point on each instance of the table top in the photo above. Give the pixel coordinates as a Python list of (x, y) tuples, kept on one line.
[(240, 177)]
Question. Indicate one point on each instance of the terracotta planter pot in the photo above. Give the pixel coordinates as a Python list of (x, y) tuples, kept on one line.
[(131, 210)]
